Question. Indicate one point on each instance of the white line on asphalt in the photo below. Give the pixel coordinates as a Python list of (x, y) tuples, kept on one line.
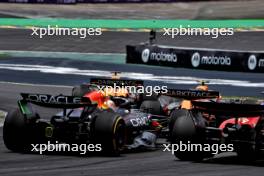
[(57, 52), (131, 75), (35, 85)]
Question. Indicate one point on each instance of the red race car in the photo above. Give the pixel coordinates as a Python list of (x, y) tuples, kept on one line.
[(233, 125)]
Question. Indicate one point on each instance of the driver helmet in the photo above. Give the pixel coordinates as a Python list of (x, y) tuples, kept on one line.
[(118, 92), (97, 97)]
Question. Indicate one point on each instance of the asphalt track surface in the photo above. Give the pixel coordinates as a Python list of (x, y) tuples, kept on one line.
[(74, 72), (142, 163), (115, 42), (216, 9), (145, 163)]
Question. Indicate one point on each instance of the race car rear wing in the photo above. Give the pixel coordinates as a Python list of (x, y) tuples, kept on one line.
[(191, 94), (229, 109), (60, 101), (116, 82)]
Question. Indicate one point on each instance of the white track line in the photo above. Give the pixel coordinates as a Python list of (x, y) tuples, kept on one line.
[(57, 52), (130, 75), (35, 85)]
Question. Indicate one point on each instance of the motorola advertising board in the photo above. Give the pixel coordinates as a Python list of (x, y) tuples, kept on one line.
[(197, 58)]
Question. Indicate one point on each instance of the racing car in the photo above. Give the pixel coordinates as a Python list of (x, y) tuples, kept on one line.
[(158, 104), (83, 119), (79, 122), (91, 118), (142, 113), (227, 121)]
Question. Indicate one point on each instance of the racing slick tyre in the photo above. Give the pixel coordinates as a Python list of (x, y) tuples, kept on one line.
[(174, 115), (109, 131), (185, 132), (152, 107), (16, 134)]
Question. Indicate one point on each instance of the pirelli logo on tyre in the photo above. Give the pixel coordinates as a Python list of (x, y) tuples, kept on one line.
[(161, 56)]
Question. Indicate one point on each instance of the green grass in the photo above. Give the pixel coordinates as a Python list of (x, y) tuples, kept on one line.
[(132, 24), (3, 55)]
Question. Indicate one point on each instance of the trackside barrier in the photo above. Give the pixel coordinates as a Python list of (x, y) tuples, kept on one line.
[(197, 58)]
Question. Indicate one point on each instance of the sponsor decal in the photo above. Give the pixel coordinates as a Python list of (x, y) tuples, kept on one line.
[(216, 60), (252, 62), (49, 99), (139, 121), (116, 82), (165, 57), (145, 55), (195, 59), (261, 63), (192, 93), (158, 56)]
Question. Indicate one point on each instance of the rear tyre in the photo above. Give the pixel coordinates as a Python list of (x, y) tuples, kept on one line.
[(152, 107), (16, 134), (185, 132), (109, 131), (174, 115)]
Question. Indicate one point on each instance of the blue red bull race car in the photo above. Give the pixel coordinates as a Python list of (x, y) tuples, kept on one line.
[(121, 120)]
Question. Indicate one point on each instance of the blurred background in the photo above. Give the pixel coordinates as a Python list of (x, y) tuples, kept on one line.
[(134, 9)]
